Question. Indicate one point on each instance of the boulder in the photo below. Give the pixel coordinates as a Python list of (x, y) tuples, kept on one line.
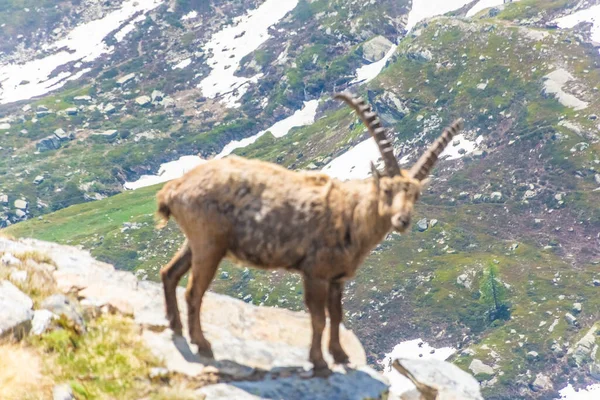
[(38, 179), (577, 307), (541, 383), (496, 197), (571, 319), (15, 311), (72, 111), (64, 307), (42, 319), (126, 79), (376, 48), (82, 99), (21, 204), (436, 379), (463, 280), (480, 370), (48, 143), (3, 199), (143, 101), (157, 96), (422, 225), (108, 135), (532, 355), (583, 349)]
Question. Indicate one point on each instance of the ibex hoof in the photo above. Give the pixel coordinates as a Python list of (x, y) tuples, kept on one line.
[(339, 356), (322, 372), (204, 348)]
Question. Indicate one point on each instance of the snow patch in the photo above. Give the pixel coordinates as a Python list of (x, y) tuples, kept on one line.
[(483, 4), (554, 83), (191, 15), (83, 44), (367, 73), (462, 147), (355, 163), (410, 349), (183, 64), (233, 43), (166, 172), (305, 116), (423, 9), (591, 14), (130, 27), (591, 392)]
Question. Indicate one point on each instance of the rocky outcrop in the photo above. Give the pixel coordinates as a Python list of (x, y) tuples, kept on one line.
[(260, 352), (16, 310), (376, 48)]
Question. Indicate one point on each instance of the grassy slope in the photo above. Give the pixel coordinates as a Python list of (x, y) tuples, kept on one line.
[(408, 286)]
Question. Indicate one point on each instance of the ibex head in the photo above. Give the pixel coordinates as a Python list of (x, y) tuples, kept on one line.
[(398, 189)]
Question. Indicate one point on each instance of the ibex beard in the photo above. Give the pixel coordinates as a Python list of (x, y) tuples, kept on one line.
[(264, 215)]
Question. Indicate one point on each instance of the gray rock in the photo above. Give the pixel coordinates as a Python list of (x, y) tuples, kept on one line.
[(82, 99), (38, 179), (41, 108), (42, 319), (583, 349), (4, 199), (496, 197), (433, 222), (72, 111), (108, 135), (441, 378), (62, 392), (376, 48), (62, 306), (157, 96), (597, 178), (143, 101), (21, 204), (110, 108), (15, 311), (62, 135), (463, 280), (48, 143), (595, 371), (571, 319), (577, 307), (480, 370), (126, 79), (20, 214), (477, 198), (422, 225), (541, 383), (532, 355)]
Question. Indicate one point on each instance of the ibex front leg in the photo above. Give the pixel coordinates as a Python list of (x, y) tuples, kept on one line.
[(334, 306), (315, 292)]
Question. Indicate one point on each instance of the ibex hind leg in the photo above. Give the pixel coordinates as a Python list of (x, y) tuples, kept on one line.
[(334, 305), (204, 267), (171, 275)]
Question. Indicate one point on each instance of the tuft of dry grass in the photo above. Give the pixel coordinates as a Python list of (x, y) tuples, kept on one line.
[(36, 256), (21, 376)]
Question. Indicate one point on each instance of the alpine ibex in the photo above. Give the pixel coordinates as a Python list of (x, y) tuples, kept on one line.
[(262, 214)]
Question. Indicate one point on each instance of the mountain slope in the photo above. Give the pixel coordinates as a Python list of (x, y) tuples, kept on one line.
[(521, 195)]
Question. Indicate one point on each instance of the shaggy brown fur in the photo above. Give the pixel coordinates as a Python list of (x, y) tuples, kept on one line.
[(261, 214)]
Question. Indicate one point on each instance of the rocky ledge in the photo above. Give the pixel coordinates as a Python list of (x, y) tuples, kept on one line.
[(260, 352)]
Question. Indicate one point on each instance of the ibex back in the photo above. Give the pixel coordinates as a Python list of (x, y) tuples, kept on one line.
[(264, 215)]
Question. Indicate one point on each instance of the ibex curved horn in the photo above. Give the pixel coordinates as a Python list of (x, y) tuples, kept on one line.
[(422, 167), (371, 121)]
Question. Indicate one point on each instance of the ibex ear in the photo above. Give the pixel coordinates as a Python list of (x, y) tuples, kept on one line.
[(376, 174)]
